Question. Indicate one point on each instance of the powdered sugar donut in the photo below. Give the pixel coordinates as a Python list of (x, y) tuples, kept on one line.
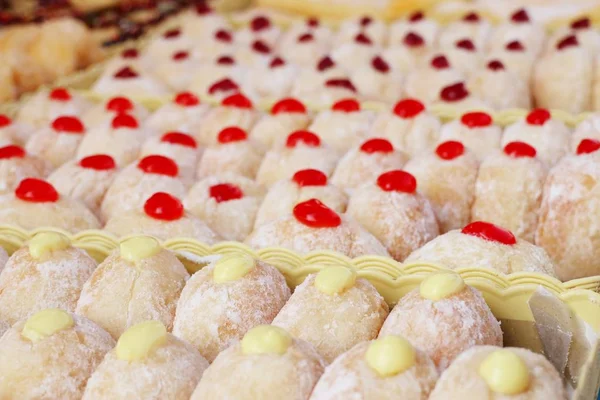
[(260, 28), (471, 26), (184, 114), (177, 70), (225, 299), (476, 130), (302, 46), (517, 59), (219, 79), (129, 81), (147, 363), (176, 146), (443, 317), (521, 28), (589, 128), (104, 112), (139, 280), (31, 364), (201, 20), (378, 80), (363, 164), (287, 115), (418, 23), (13, 132), (51, 266), (16, 165), (314, 226), (324, 307), (227, 203), (447, 178), (373, 28), (464, 55), (271, 80), (426, 83), (58, 142), (500, 88), (257, 365), (509, 190), (305, 184), (40, 110), (484, 245)]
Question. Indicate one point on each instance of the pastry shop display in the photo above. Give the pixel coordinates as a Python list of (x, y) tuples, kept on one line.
[(476, 131), (333, 310), (129, 80), (104, 112), (51, 354), (35, 203), (314, 226), (58, 142), (135, 183), (234, 153), (287, 115), (163, 217), (443, 317), (485, 245), (495, 373), (382, 369), (176, 146), (227, 203), (184, 114), (226, 299), (138, 281), (306, 184), (147, 363), (235, 110), (509, 189), (436, 73), (565, 228), (257, 366), (301, 150), (446, 177), (16, 165), (48, 273), (395, 213), (549, 136)]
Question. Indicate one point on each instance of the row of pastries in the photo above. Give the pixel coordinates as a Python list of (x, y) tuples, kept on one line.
[(137, 326)]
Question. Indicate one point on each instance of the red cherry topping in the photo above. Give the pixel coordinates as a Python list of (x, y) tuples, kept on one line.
[(124, 121), (202, 9), (232, 134), (490, 232), (223, 36), (587, 146), (325, 63), (164, 207), (495, 65), (306, 37), (520, 16), (515, 45), (569, 41), (181, 55), (260, 47), (99, 162), (305, 137), (413, 40), (346, 105), (276, 62), (179, 138), (450, 150), (36, 191), (159, 165), (224, 85), (310, 177), (259, 23), (11, 151), (440, 62), (539, 116), (454, 92), (466, 44), (225, 60), (126, 73), (341, 83), (377, 145), (408, 108), (312, 22), (397, 181), (4, 121), (186, 99), (365, 21), (225, 192), (119, 104), (237, 100), (313, 213), (471, 17), (476, 119), (519, 149), (288, 105), (380, 65), (416, 16), (67, 124), (362, 39), (172, 34), (60, 94), (130, 53), (581, 23)]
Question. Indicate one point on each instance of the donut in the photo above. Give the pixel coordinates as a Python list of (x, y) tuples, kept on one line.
[(185, 113), (287, 115), (519, 27), (58, 142), (436, 73), (131, 79), (16, 165), (46, 105), (476, 131), (103, 113), (498, 86), (176, 146)]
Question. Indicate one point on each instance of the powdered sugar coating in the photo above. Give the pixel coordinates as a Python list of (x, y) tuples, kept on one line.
[(445, 328), (169, 372), (241, 158), (56, 367), (350, 377), (142, 86), (465, 61), (120, 293), (458, 250), (352, 55), (54, 147), (376, 30), (587, 129), (532, 35), (122, 144), (341, 130), (185, 157), (478, 32), (509, 193), (29, 285), (3, 258), (14, 170), (172, 117), (271, 129), (177, 74), (566, 229), (462, 379), (212, 316), (482, 141), (501, 89), (221, 117), (98, 115), (427, 82), (39, 110), (333, 323), (520, 63), (373, 85), (449, 185), (551, 140)]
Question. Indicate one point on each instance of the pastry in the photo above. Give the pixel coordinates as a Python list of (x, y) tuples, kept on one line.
[(378, 80), (375, 29), (221, 40), (129, 80), (589, 128), (176, 146), (219, 79), (45, 106), (458, 96), (499, 87), (471, 26), (287, 115), (184, 114), (161, 47), (260, 28), (411, 40), (303, 45), (270, 80), (427, 81), (13, 132), (311, 83), (520, 28), (464, 55), (235, 110), (201, 20), (476, 131), (104, 112), (176, 71), (517, 58), (355, 52), (16, 165), (58, 142)]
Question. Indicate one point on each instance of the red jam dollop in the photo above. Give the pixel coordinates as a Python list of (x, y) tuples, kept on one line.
[(288, 105), (346, 105), (164, 207), (160, 165), (186, 99), (119, 104), (519, 150), (408, 108), (237, 100), (224, 85), (476, 119), (377, 145), (305, 137), (60, 94), (11, 151), (225, 192), (490, 232), (124, 121), (179, 138), (313, 213), (587, 146), (232, 134), (68, 124), (35, 190), (310, 177), (99, 162), (397, 181), (450, 150), (4, 121), (455, 92), (538, 117)]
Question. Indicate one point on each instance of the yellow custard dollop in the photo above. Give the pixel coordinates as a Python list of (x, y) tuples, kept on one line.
[(441, 285), (46, 323), (390, 355), (138, 248), (232, 267), (47, 242), (137, 342), (335, 279), (266, 339), (505, 373)]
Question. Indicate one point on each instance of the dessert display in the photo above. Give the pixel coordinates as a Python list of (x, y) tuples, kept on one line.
[(287, 115), (476, 131), (395, 213), (58, 142), (222, 302), (324, 307), (147, 363), (16, 165), (184, 114), (137, 281), (176, 146)]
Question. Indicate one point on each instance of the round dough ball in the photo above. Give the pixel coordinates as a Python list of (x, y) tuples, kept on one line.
[(16, 165), (58, 142), (177, 146), (341, 129), (103, 113), (184, 114), (476, 131), (272, 128), (46, 105), (234, 111)]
